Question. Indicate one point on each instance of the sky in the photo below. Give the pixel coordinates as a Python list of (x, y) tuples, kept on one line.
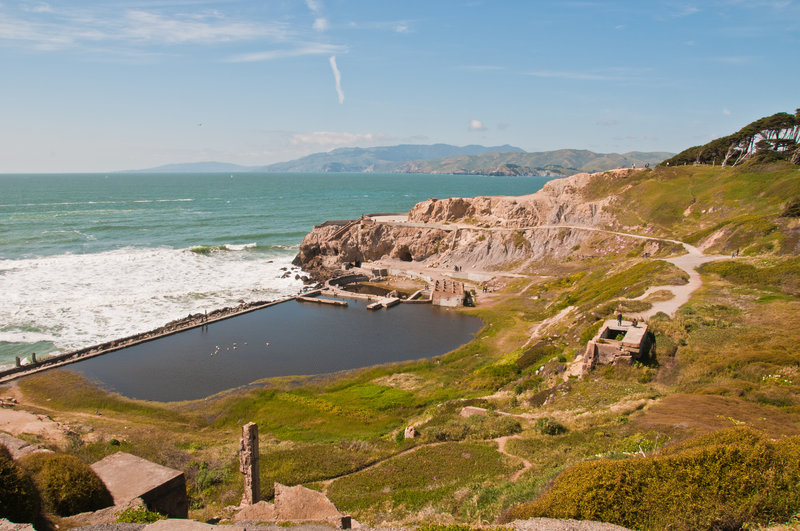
[(111, 85)]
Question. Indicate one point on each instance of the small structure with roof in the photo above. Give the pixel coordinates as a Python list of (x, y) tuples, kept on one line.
[(616, 342)]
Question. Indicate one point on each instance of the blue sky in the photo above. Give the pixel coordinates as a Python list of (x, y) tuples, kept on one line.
[(111, 85)]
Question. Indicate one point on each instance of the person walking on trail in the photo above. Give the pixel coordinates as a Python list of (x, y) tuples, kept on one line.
[(619, 318)]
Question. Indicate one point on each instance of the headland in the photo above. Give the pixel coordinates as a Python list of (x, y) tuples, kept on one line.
[(705, 256)]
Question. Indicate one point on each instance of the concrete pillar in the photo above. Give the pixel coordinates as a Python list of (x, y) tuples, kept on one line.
[(17, 362), (248, 464), (33, 357)]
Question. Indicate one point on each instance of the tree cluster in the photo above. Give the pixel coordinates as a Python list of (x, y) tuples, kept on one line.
[(775, 137)]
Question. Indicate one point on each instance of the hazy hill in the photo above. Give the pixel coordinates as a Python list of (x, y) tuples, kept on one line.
[(383, 158), (560, 162), (196, 167), (438, 158)]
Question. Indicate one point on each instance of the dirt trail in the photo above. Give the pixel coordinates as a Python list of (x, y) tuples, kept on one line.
[(327, 482), (689, 262), (501, 447), (543, 325)]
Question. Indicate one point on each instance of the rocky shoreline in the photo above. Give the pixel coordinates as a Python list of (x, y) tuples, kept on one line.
[(481, 233)]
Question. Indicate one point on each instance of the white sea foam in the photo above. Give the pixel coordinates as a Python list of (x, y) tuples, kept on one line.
[(84, 299), (242, 247)]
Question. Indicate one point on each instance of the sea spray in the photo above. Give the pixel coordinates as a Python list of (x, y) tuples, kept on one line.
[(76, 300)]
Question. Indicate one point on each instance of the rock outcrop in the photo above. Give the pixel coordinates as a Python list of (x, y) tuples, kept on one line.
[(480, 232)]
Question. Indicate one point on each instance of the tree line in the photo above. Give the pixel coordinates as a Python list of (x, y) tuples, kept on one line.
[(771, 138)]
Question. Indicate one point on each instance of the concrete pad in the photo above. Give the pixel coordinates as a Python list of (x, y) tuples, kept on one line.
[(128, 476)]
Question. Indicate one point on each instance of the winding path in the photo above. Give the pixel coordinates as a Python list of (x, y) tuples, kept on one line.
[(688, 262), (501, 447)]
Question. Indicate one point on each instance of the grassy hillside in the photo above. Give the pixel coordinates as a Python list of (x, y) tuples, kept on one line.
[(720, 209), (727, 359)]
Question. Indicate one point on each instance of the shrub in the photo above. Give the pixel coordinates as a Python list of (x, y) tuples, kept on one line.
[(783, 275), (719, 481), (548, 426), (207, 478), (476, 427), (138, 515), (538, 352), (68, 485), (19, 500), (792, 209)]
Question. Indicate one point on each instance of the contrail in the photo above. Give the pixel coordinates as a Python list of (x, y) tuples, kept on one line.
[(338, 77)]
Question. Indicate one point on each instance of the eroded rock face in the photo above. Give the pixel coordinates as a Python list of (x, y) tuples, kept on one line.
[(480, 232)]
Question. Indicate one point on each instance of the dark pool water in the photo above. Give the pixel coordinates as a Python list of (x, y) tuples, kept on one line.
[(287, 339)]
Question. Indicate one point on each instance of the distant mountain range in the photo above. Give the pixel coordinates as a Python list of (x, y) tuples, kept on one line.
[(437, 158)]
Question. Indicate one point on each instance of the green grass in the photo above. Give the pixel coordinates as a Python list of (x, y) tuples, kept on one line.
[(442, 477), (454, 427), (775, 275), (300, 464), (693, 202), (597, 287), (65, 390)]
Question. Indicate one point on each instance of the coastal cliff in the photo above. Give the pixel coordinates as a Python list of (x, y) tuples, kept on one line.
[(480, 232)]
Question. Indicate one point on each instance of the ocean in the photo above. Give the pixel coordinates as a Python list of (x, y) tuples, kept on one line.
[(86, 258)]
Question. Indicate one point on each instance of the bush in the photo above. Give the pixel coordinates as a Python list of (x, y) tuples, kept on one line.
[(68, 485), (138, 515), (538, 352), (476, 427), (720, 481), (792, 209), (19, 500), (548, 426)]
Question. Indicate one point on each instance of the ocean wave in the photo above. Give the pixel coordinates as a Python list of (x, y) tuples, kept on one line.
[(242, 247), (77, 300), (183, 200), (78, 203), (209, 249)]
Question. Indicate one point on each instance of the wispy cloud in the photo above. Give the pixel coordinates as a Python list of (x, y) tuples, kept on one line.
[(734, 59), (583, 76), (45, 28), (283, 53), (154, 27), (396, 26), (320, 22), (681, 10), (476, 125), (726, 112), (337, 76), (479, 68), (331, 139)]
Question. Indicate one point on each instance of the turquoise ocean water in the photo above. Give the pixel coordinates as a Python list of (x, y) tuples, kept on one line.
[(85, 258)]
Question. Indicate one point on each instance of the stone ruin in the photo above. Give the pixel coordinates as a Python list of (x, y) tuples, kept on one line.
[(129, 477), (292, 504), (616, 343), (248, 463), (448, 293)]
